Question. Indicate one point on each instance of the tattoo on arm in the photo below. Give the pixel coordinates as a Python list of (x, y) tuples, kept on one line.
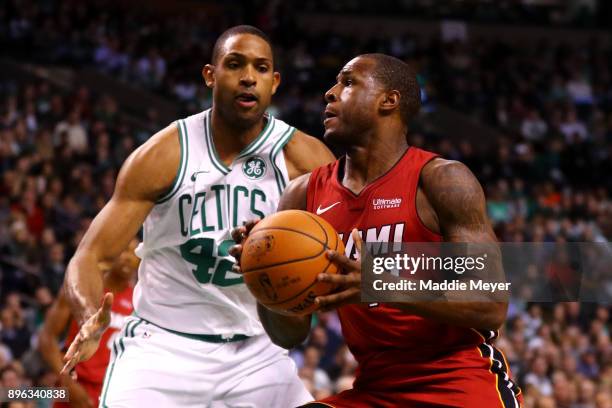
[(458, 199)]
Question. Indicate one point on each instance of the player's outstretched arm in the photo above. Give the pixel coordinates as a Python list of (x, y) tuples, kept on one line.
[(459, 203), (145, 176), (55, 324), (56, 321), (305, 153)]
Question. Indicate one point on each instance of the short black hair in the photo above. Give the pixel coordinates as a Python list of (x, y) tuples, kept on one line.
[(394, 74), (230, 32)]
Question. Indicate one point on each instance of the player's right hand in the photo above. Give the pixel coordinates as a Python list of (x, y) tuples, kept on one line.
[(87, 340), (239, 235)]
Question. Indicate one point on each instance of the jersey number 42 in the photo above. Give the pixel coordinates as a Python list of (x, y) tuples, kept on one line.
[(200, 252)]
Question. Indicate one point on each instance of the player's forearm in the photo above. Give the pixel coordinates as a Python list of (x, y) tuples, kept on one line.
[(50, 351), (285, 331), (476, 315), (52, 355), (83, 285)]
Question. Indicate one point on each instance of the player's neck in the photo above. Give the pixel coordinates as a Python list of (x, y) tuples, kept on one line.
[(230, 139), (364, 164)]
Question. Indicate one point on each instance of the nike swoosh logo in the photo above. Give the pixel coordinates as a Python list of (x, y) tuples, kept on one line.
[(195, 173), (322, 210)]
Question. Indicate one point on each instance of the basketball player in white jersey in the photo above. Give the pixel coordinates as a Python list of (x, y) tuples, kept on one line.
[(195, 338)]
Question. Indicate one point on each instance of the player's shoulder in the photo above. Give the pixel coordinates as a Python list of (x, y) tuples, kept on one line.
[(306, 145), (448, 182), (302, 139), (304, 153), (152, 167), (162, 145), (439, 169)]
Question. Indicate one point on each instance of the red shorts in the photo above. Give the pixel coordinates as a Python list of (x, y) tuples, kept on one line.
[(93, 390), (476, 380)]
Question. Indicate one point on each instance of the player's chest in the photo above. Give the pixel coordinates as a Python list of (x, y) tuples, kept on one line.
[(378, 215), (213, 201)]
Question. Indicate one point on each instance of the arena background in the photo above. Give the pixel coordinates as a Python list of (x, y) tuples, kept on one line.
[(520, 91)]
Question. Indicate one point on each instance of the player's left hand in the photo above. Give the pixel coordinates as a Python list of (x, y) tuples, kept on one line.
[(88, 338), (348, 283), (239, 235)]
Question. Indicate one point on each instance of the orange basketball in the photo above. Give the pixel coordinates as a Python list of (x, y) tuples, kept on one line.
[(282, 257)]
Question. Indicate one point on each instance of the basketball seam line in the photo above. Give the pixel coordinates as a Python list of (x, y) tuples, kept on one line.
[(325, 246), (320, 226), (287, 262), (303, 290), (292, 230)]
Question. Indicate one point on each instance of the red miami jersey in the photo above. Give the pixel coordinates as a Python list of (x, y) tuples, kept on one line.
[(394, 349), (93, 370)]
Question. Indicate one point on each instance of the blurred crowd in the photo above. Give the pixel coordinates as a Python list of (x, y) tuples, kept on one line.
[(546, 174), (524, 12)]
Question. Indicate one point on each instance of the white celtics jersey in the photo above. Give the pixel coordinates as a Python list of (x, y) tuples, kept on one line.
[(185, 281)]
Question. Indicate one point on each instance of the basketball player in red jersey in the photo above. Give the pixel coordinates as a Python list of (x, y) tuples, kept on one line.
[(421, 354), (85, 391)]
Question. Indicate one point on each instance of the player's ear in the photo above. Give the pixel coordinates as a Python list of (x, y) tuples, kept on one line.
[(208, 73), (390, 101), (277, 81)]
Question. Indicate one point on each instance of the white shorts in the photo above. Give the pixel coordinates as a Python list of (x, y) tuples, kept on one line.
[(152, 367)]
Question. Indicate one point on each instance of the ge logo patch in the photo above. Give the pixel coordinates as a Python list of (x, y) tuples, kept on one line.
[(254, 167)]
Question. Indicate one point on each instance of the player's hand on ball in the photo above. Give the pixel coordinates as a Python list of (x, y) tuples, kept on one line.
[(87, 340), (239, 235), (349, 282)]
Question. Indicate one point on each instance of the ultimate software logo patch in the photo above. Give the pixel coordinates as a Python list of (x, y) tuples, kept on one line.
[(384, 203)]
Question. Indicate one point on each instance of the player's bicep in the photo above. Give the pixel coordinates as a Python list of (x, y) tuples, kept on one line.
[(294, 196), (114, 227), (458, 200), (318, 153), (144, 177)]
